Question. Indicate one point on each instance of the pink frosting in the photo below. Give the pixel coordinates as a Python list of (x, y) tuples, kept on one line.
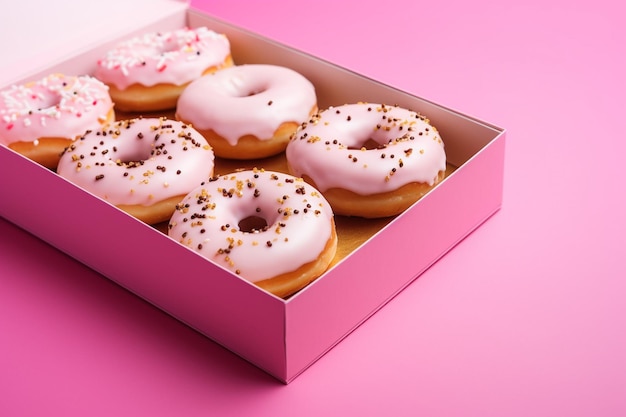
[(247, 100), (331, 149), (298, 223), (55, 106), (138, 161), (175, 57)]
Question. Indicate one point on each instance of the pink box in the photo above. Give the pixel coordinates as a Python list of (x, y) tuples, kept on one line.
[(282, 337)]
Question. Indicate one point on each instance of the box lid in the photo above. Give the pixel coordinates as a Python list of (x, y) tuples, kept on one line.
[(35, 48)]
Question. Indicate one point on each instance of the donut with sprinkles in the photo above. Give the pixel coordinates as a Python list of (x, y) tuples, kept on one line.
[(39, 119), (144, 166), (369, 160), (148, 72), (270, 228)]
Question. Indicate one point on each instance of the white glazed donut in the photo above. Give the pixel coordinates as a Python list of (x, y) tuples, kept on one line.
[(41, 118), (369, 160), (148, 72), (270, 228), (143, 166), (248, 111)]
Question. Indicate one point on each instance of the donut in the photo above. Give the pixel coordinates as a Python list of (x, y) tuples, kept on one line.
[(142, 166), (369, 160), (248, 111), (148, 72), (40, 119), (270, 228)]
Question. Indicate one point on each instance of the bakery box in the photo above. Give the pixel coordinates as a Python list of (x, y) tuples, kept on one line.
[(281, 336)]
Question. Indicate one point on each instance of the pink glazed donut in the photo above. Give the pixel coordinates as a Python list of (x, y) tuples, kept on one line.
[(369, 160), (270, 228), (248, 111), (41, 118), (143, 166), (148, 72)]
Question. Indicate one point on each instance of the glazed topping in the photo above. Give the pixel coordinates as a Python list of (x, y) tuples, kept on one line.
[(367, 148), (257, 224), (138, 161), (174, 57), (55, 106), (247, 100)]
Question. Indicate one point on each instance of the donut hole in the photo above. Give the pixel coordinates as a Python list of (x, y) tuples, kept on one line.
[(252, 224), (240, 88), (48, 101), (378, 141), (135, 156), (250, 93), (368, 145), (169, 47)]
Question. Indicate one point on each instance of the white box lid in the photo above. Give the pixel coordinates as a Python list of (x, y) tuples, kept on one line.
[(37, 33)]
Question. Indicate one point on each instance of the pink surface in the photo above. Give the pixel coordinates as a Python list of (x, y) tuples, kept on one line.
[(524, 317)]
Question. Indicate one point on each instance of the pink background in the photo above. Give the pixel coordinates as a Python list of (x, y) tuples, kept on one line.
[(524, 317)]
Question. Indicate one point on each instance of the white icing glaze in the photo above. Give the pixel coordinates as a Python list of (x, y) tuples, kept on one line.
[(174, 57), (298, 219), (331, 149), (247, 100), (138, 161), (55, 106)]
